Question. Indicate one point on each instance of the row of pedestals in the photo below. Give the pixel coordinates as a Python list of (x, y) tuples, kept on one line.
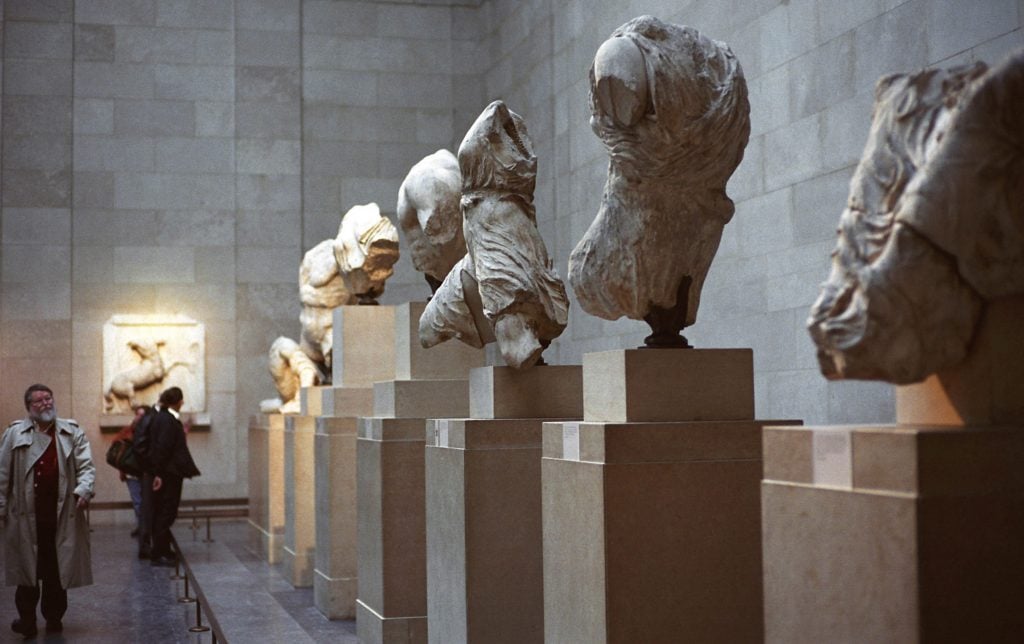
[(633, 498)]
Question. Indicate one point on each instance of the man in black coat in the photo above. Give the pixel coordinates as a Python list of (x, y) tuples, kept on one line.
[(169, 463)]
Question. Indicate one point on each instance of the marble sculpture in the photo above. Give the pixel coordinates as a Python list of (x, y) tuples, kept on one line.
[(504, 289), (429, 215), (933, 226), (291, 369), (670, 106), (120, 395), (349, 269)]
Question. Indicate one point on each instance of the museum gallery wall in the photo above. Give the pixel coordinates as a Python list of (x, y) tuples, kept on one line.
[(164, 159)]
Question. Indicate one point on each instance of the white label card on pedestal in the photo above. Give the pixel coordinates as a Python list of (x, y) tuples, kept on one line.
[(571, 441), (442, 432), (833, 457)]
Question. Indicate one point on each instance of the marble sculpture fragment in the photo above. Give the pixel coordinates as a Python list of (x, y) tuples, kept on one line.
[(291, 370), (670, 106), (933, 226), (429, 215), (348, 269), (505, 288)]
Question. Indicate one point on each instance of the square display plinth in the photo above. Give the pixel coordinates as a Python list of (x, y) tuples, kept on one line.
[(448, 361), (334, 590), (299, 528), (484, 538), (347, 401), (421, 399), (364, 345), (392, 604), (266, 486), (893, 533), (550, 391), (652, 532), (664, 385)]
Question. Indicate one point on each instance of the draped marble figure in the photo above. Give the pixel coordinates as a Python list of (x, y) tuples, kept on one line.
[(429, 215), (933, 227), (505, 288), (670, 106), (348, 269)]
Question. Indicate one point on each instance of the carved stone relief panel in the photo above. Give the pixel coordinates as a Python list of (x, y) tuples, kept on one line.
[(145, 354)]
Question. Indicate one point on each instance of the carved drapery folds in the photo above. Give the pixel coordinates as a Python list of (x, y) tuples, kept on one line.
[(933, 228), (505, 288), (670, 106)]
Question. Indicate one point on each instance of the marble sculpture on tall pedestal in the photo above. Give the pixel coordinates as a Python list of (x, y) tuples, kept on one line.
[(670, 106), (505, 289), (348, 269), (934, 224), (429, 215)]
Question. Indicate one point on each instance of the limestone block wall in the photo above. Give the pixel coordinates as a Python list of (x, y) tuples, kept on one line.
[(174, 156), (811, 66)]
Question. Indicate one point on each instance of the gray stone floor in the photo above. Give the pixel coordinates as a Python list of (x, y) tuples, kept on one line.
[(131, 601)]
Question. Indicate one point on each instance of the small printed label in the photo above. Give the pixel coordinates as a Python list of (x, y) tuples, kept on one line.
[(833, 459), (571, 441), (441, 427)]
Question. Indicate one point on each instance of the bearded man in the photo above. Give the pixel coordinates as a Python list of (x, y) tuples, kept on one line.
[(46, 482)]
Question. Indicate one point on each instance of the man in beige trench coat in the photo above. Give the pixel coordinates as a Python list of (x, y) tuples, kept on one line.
[(46, 481)]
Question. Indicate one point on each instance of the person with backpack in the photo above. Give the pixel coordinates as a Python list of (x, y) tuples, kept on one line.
[(122, 456)]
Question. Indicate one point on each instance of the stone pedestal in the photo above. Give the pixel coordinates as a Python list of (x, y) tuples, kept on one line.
[(909, 532), (266, 486), (300, 528), (335, 574), (484, 537), (483, 503), (652, 519), (893, 533), (364, 348), (551, 391), (335, 401), (392, 604), (443, 362)]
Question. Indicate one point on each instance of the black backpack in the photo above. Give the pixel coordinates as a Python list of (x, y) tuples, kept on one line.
[(121, 454)]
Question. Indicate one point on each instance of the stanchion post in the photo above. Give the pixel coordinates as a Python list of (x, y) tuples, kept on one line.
[(199, 628), (186, 599), (177, 568), (208, 538)]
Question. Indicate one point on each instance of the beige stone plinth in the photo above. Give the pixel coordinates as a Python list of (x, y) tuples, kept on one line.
[(657, 385), (392, 531), (652, 532), (421, 399), (893, 534), (364, 345), (300, 527), (266, 486), (372, 627), (451, 360), (550, 391), (334, 590), (986, 388), (484, 540), (311, 400), (347, 401)]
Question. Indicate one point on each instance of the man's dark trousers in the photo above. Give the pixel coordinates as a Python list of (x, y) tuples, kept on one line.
[(165, 511), (55, 598)]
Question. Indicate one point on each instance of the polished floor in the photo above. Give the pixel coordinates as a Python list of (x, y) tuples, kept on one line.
[(132, 601)]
